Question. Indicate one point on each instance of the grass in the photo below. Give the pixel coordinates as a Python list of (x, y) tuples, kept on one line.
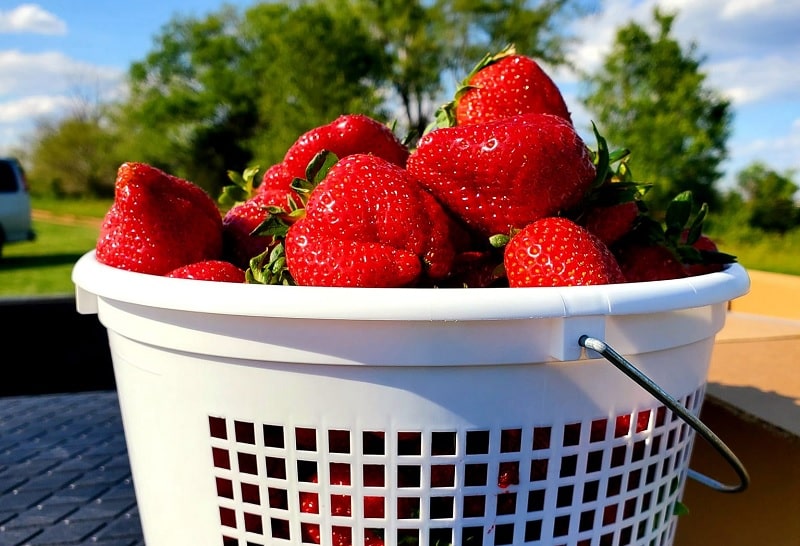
[(761, 251), (92, 208), (44, 267)]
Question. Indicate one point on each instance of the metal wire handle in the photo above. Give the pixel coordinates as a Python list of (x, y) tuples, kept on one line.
[(647, 384)]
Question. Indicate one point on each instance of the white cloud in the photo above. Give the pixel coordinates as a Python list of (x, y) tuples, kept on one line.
[(32, 107), (745, 45), (50, 72), (746, 80), (31, 19), (748, 51), (780, 151), (736, 8), (48, 85)]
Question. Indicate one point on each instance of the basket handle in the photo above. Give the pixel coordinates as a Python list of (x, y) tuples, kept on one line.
[(650, 386)]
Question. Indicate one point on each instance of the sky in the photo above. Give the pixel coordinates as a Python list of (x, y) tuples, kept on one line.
[(55, 54)]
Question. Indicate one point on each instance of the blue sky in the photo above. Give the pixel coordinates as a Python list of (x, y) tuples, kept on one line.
[(56, 52)]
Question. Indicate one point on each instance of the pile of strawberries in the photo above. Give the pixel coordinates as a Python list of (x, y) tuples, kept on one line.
[(499, 191)]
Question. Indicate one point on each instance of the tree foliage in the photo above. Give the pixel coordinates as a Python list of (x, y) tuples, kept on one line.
[(650, 97), (769, 198), (433, 45), (73, 157), (236, 87), (218, 93)]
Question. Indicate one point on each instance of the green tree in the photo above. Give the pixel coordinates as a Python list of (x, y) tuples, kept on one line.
[(232, 89), (313, 63), (769, 198), (236, 88), (650, 97), (73, 157), (183, 114), (229, 90), (433, 45)]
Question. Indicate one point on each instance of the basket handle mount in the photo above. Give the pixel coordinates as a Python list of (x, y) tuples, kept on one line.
[(661, 395)]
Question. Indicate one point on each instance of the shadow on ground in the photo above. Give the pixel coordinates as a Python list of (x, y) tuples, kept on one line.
[(58, 350), (30, 262), (766, 512)]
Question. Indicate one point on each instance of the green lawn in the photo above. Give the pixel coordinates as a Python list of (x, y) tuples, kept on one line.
[(94, 208), (762, 251), (44, 266)]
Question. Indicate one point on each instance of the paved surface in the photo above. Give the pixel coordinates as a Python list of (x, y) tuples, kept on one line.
[(64, 472), (771, 294), (755, 366)]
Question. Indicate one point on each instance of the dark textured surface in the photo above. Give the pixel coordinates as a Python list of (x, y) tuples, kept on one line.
[(65, 478), (57, 350)]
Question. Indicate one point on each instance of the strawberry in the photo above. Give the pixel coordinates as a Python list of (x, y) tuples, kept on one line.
[(642, 262), (612, 207), (476, 269), (368, 223), (508, 475), (209, 270), (654, 251), (503, 85), (346, 135), (241, 237), (611, 222), (276, 177), (339, 506), (158, 222), (710, 260), (556, 251), (502, 175)]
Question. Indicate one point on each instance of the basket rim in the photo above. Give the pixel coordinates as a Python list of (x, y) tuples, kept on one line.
[(93, 279)]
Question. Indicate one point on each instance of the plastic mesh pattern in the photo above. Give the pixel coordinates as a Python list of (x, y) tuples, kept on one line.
[(602, 481)]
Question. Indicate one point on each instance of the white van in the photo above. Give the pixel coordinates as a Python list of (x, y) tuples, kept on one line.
[(15, 204)]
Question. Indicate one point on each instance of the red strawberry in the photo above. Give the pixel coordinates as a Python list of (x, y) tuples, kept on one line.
[(476, 269), (158, 222), (505, 85), (653, 251), (611, 222), (339, 506), (209, 270), (508, 475), (340, 536), (503, 175), (277, 177), (346, 135), (369, 224), (707, 249), (239, 224), (555, 251), (641, 262)]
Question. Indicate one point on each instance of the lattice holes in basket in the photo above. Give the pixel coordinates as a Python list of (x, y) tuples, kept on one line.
[(597, 482)]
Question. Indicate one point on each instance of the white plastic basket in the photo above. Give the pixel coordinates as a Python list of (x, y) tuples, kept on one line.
[(259, 415)]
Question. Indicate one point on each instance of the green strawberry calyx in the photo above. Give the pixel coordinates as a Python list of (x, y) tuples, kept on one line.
[(681, 228), (614, 183), (242, 188), (270, 266)]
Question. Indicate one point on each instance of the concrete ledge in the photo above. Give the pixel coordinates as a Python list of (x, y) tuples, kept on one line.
[(771, 294), (754, 367)]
